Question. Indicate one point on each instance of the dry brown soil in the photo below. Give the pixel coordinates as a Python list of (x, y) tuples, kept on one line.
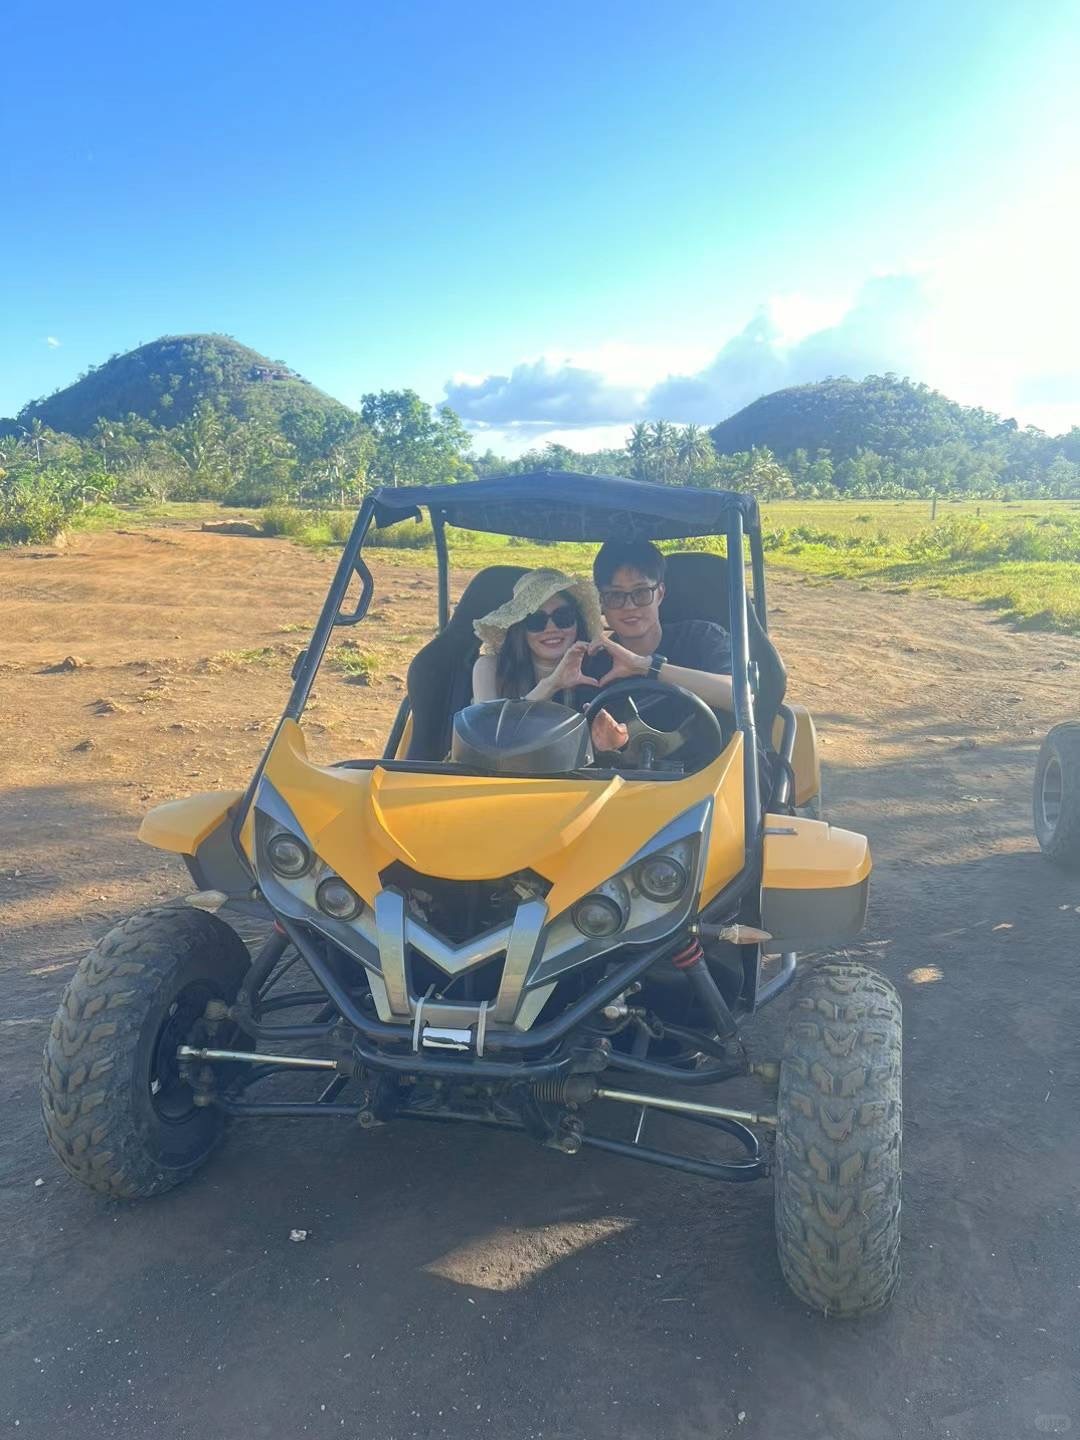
[(460, 1284)]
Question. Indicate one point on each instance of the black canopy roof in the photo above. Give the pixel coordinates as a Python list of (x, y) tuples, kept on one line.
[(561, 505)]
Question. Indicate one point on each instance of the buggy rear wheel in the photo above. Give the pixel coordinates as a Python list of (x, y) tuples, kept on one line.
[(116, 1110), (837, 1176), (1057, 795)]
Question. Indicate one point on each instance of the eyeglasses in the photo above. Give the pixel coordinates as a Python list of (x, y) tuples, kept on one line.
[(619, 599), (562, 618)]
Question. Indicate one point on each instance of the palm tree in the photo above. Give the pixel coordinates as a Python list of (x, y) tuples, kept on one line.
[(103, 434), (693, 448), (35, 435), (638, 447), (662, 436)]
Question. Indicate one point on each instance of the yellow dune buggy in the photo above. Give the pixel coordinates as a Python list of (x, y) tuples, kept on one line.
[(489, 924)]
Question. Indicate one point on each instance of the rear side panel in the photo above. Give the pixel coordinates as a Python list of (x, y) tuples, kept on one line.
[(814, 883), (804, 760)]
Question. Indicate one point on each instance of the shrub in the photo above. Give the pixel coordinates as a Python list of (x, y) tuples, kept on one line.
[(30, 516), (353, 663), (340, 524), (406, 535), (284, 520)]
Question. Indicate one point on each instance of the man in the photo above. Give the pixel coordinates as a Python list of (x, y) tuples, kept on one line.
[(694, 654)]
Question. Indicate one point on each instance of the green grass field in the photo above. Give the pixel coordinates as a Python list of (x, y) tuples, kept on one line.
[(1021, 558)]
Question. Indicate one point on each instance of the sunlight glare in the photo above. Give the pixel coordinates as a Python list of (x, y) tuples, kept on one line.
[(510, 1257)]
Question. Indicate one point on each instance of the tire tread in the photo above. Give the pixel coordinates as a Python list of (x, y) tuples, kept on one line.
[(86, 1068), (838, 1153)]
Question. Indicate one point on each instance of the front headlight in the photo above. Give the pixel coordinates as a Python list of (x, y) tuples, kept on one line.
[(662, 878), (289, 856), (643, 893), (639, 905), (598, 916), (337, 899)]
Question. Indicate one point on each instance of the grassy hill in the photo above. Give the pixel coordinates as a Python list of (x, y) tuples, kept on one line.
[(165, 381), (881, 413)]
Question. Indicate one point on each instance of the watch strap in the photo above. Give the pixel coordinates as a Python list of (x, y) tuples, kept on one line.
[(655, 665)]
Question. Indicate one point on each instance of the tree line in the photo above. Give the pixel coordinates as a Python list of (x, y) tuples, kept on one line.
[(316, 457)]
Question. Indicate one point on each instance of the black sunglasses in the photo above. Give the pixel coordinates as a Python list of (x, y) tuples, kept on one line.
[(562, 619), (619, 599)]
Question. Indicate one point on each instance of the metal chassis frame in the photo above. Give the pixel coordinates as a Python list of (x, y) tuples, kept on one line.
[(513, 1074)]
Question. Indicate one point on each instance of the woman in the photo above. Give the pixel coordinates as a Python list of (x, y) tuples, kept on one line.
[(534, 644)]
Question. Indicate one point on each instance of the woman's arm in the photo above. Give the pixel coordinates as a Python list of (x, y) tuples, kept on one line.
[(483, 679), (484, 686), (566, 676)]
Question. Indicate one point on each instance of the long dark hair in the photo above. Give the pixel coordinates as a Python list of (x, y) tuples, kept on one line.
[(515, 673)]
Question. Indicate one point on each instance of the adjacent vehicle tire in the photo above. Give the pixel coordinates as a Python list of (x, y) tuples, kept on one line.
[(837, 1175), (116, 1110), (1057, 795)]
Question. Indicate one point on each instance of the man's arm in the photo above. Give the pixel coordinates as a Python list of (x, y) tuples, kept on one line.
[(715, 690), (711, 682)]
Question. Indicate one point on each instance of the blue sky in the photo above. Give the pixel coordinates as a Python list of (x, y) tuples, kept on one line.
[(562, 217)]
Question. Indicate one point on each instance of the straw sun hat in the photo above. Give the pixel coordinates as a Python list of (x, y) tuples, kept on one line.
[(530, 592)]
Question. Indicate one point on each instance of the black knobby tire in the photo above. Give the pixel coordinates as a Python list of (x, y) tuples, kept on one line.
[(1057, 795), (837, 1175), (116, 1111)]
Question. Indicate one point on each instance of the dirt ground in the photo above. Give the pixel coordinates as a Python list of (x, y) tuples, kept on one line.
[(466, 1284)]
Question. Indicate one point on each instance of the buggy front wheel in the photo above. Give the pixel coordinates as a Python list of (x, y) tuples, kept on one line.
[(837, 1175), (117, 1112)]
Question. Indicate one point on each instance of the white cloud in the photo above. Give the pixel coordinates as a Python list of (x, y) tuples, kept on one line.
[(544, 393), (52, 342), (587, 399), (880, 331), (989, 315)]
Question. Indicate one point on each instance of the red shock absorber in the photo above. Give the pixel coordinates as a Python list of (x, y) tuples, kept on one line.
[(691, 961), (683, 959)]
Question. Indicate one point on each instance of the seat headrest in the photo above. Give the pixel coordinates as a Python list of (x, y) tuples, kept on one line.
[(486, 591), (695, 585)]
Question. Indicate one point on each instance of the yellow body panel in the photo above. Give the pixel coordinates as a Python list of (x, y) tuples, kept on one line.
[(576, 833), (804, 760), (182, 825), (817, 856), (406, 739)]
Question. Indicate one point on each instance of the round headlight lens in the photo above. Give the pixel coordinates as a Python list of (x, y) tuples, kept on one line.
[(662, 878), (289, 857), (598, 916), (335, 898)]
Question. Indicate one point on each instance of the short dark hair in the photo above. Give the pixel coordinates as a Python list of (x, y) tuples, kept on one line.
[(641, 555)]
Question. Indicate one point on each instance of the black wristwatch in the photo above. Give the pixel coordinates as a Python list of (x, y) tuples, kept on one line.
[(655, 665)]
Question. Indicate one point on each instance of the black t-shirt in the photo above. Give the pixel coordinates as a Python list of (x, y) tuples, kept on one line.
[(697, 645)]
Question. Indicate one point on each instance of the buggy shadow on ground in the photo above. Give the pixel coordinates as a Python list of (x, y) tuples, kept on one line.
[(459, 1283)]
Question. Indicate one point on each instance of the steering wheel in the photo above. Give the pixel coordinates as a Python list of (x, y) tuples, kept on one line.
[(647, 745)]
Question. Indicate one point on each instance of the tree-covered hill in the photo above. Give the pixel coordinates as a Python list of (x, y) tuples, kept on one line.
[(167, 381), (881, 413)]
